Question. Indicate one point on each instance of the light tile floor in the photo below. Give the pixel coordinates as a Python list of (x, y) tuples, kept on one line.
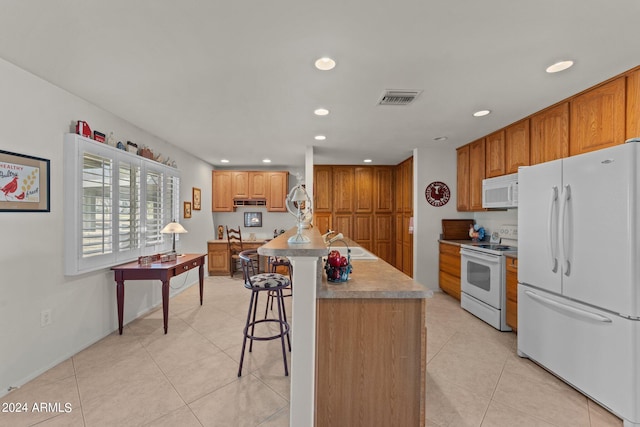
[(188, 377)]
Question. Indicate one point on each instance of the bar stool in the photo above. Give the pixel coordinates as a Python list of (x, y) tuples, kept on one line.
[(263, 282), (275, 262)]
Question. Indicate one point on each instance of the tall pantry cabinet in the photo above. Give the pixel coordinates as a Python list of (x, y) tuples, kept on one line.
[(370, 205)]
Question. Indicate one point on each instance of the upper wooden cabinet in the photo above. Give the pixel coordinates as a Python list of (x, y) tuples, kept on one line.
[(516, 146), (471, 160), (239, 184), (407, 186), (383, 189), (463, 178), (276, 189), (363, 189), (633, 105), (221, 200), (269, 186), (258, 184), (494, 150), (476, 173), (342, 189), (550, 134), (598, 118), (322, 185)]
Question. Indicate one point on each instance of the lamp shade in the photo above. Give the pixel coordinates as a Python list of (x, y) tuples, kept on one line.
[(173, 227)]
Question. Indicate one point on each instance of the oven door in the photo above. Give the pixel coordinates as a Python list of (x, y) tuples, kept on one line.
[(482, 276)]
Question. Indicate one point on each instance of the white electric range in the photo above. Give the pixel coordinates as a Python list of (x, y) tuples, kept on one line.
[(483, 277)]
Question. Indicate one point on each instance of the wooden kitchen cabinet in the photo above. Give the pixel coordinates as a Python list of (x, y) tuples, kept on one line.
[(494, 151), (550, 134), (476, 173), (342, 189), (516, 146), (633, 105), (258, 184), (221, 200), (383, 189), (219, 263), (363, 186), (370, 362), (462, 198), (269, 188), (240, 184), (277, 186), (598, 118), (218, 258), (322, 188), (383, 236), (449, 274), (359, 202), (512, 292)]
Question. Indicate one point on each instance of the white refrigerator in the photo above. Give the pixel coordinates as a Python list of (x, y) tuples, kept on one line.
[(579, 273)]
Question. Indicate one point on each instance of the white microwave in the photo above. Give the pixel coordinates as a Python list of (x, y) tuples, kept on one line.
[(500, 192)]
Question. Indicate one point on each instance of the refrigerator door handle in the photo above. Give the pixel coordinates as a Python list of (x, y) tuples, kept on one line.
[(566, 196), (550, 242), (567, 308)]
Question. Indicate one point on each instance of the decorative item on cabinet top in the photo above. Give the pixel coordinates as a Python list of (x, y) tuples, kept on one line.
[(82, 128)]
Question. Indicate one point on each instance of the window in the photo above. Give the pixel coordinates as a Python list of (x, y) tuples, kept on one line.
[(116, 204)]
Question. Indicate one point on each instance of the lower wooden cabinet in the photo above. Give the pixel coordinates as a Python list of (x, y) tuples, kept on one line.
[(371, 362), (512, 292), (449, 275), (218, 253)]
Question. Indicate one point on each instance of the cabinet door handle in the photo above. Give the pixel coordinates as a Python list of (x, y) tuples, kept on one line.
[(186, 267)]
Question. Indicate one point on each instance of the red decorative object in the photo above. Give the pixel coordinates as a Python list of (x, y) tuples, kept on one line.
[(82, 128), (437, 193), (98, 136)]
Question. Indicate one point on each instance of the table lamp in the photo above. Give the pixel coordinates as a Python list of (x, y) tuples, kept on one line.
[(173, 228)]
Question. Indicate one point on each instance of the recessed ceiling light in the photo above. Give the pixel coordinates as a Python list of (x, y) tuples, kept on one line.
[(440, 138), (367, 160), (481, 113), (559, 66), (321, 112), (320, 137), (325, 64), (266, 160), (224, 161)]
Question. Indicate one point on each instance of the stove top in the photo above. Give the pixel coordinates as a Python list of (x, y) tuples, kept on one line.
[(491, 248)]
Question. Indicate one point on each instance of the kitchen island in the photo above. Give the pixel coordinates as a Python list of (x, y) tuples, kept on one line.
[(359, 356)]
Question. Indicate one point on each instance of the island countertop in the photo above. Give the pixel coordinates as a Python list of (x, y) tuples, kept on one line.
[(368, 279), (373, 279)]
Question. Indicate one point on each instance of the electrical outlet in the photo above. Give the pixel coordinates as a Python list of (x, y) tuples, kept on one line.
[(45, 317)]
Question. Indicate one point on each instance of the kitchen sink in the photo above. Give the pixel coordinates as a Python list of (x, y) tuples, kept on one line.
[(360, 253)]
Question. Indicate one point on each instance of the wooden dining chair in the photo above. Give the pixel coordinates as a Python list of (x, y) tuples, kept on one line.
[(234, 244)]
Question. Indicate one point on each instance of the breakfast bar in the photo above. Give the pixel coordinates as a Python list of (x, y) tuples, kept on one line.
[(359, 346)]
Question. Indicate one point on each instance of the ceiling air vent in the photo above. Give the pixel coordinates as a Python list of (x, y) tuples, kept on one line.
[(399, 97)]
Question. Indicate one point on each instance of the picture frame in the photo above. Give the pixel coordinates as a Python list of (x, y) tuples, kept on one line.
[(253, 219), (25, 183), (187, 210), (197, 197)]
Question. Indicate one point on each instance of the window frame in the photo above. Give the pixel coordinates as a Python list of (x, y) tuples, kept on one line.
[(76, 262)]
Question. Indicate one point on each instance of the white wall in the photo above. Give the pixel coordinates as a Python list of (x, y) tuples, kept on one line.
[(35, 115), (439, 164), (431, 164)]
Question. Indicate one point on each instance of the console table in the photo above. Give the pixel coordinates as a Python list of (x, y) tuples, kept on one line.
[(162, 271)]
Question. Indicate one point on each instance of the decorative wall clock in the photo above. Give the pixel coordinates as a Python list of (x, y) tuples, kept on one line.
[(437, 193)]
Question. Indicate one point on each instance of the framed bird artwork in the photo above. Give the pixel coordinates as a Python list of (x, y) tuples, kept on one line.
[(24, 183)]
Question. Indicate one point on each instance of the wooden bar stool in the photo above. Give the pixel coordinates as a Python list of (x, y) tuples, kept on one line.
[(263, 282)]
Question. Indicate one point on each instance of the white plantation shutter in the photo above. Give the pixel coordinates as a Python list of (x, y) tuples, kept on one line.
[(129, 209), (97, 204), (154, 201), (116, 204)]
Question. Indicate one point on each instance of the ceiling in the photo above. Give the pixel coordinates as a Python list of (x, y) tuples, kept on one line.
[(236, 79)]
